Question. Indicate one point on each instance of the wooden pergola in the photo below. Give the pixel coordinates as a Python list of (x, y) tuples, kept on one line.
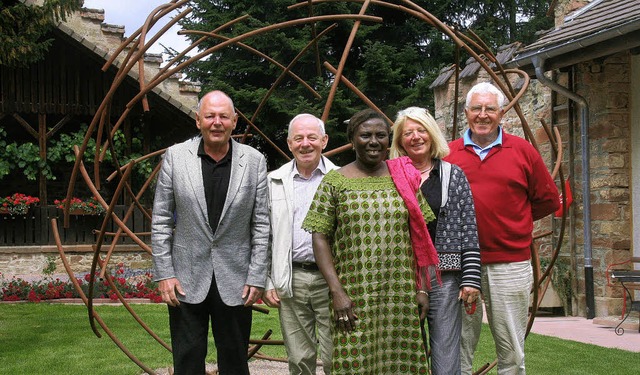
[(64, 90)]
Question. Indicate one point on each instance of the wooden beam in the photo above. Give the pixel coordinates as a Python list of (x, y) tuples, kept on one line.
[(60, 124), (42, 141), (25, 125)]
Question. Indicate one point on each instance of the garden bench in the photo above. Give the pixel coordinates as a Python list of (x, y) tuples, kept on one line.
[(629, 280)]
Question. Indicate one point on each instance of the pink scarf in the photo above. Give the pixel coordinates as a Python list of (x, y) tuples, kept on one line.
[(407, 180)]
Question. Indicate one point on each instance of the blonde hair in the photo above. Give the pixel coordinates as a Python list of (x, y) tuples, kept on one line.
[(439, 146)]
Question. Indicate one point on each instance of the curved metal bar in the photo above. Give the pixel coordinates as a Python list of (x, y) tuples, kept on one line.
[(127, 306), (74, 281), (356, 91), (138, 160), (98, 245), (276, 83), (285, 69), (262, 134), (114, 217), (343, 62), (236, 39)]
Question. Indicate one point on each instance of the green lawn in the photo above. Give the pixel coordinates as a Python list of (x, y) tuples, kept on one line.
[(56, 339)]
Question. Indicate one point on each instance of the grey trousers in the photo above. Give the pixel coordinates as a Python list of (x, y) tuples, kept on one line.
[(305, 323), (445, 323)]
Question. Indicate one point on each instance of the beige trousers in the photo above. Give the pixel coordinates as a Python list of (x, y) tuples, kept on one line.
[(506, 290)]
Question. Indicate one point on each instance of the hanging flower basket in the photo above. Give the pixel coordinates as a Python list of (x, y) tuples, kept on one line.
[(81, 207), (17, 204)]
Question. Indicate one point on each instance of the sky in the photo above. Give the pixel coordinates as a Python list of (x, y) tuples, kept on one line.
[(133, 13)]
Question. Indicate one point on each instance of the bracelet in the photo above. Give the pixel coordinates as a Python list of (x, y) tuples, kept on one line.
[(422, 292)]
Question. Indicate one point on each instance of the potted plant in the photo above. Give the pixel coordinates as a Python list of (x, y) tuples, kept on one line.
[(17, 204), (79, 206)]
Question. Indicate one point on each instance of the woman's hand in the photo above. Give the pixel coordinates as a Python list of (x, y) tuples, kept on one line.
[(468, 294), (343, 313), (423, 304)]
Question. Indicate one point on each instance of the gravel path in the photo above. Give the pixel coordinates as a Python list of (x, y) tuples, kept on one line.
[(256, 367)]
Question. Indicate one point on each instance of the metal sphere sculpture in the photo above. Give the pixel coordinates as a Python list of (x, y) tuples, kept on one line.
[(137, 44)]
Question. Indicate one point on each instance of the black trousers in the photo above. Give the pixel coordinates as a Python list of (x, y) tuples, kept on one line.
[(231, 328)]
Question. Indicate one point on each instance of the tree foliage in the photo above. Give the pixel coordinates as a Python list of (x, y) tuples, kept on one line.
[(24, 28), (392, 63)]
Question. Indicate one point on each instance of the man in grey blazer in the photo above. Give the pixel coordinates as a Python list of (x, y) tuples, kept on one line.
[(210, 233), (295, 284)]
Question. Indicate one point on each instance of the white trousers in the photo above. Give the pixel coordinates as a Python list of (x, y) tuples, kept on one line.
[(506, 290)]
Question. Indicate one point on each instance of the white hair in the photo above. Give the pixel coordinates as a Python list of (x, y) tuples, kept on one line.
[(293, 120), (485, 88)]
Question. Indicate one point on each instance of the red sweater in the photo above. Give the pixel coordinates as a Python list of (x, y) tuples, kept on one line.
[(511, 188)]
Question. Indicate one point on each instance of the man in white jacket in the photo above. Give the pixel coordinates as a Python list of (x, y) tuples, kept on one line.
[(295, 284)]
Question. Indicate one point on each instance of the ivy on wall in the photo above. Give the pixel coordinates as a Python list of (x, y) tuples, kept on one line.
[(25, 157)]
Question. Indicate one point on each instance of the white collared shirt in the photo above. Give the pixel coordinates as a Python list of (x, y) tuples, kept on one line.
[(303, 191)]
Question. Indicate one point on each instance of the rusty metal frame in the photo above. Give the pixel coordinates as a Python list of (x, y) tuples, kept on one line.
[(103, 131)]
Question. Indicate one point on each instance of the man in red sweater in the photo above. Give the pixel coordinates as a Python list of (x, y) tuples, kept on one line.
[(511, 188)]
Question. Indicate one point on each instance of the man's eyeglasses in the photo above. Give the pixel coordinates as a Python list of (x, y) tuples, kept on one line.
[(489, 109)]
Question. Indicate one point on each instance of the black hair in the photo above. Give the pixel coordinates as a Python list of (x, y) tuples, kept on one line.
[(366, 114)]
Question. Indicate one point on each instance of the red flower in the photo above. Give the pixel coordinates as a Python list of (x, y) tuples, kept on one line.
[(33, 297), (90, 205), (18, 203)]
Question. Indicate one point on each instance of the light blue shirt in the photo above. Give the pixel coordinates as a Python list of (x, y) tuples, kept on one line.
[(482, 151), (303, 191)]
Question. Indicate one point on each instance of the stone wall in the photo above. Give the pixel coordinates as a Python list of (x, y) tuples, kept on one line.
[(29, 262), (605, 85)]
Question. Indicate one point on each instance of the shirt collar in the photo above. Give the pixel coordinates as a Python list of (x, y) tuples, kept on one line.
[(469, 142), (321, 167), (201, 152)]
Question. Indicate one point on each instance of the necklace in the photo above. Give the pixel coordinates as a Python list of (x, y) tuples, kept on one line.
[(426, 170)]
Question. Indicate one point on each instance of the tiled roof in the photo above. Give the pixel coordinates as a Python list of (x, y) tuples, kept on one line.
[(601, 21), (595, 17), (471, 67)]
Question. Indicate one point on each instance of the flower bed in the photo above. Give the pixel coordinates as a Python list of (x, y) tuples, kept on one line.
[(129, 283)]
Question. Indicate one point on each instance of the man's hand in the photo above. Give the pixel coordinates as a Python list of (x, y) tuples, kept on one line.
[(271, 298), (168, 289), (251, 294)]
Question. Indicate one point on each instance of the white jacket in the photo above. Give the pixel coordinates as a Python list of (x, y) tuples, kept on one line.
[(280, 185)]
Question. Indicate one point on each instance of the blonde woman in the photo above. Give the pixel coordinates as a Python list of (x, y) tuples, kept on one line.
[(454, 233)]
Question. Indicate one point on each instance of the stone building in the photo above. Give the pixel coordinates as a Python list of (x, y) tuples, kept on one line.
[(582, 74)]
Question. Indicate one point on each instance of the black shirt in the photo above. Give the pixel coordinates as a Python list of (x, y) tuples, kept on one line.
[(432, 190), (215, 176)]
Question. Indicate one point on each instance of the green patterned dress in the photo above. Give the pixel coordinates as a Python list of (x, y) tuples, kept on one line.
[(367, 222)]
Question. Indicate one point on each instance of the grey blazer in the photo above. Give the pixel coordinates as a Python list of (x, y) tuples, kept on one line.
[(184, 245)]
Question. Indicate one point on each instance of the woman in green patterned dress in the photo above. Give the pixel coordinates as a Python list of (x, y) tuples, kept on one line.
[(363, 247)]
